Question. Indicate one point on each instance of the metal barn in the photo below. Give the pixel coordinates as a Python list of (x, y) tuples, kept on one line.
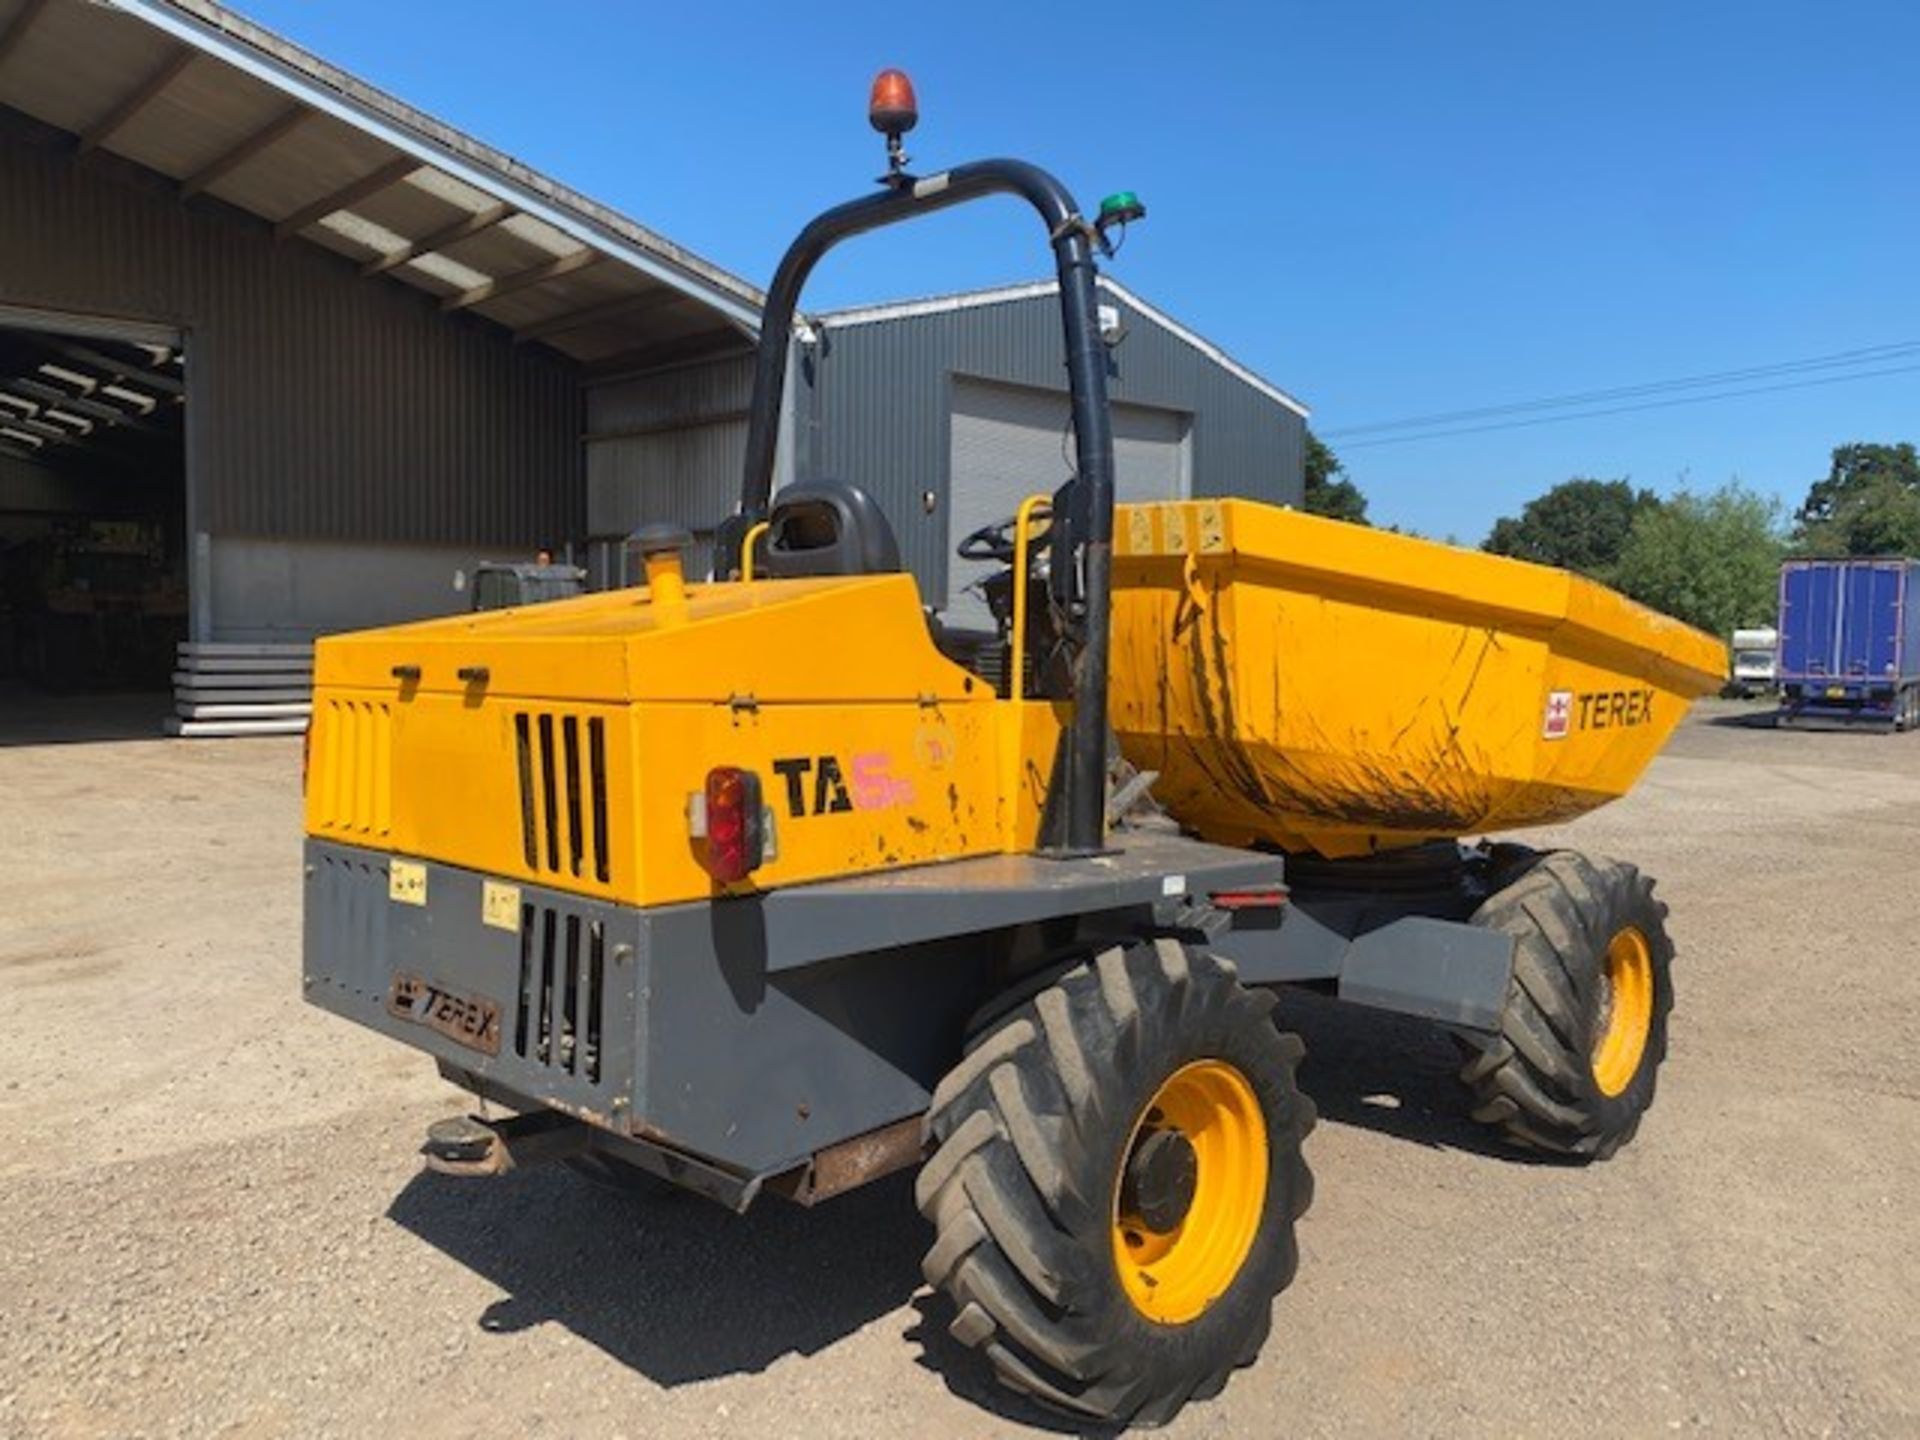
[(953, 409), (281, 355), (948, 411)]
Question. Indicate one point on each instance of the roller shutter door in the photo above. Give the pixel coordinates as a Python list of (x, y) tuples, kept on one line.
[(1009, 442)]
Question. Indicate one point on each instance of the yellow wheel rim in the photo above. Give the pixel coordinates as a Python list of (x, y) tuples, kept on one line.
[(1626, 1011), (1172, 1273)]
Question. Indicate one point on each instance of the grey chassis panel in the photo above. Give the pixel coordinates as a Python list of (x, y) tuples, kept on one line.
[(751, 1032), (1414, 964), (357, 939), (805, 924)]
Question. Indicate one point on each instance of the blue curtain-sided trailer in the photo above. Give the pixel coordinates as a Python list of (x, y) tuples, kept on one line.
[(1850, 641)]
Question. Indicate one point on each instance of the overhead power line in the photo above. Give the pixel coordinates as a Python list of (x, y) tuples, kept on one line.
[(1665, 404), (1447, 421)]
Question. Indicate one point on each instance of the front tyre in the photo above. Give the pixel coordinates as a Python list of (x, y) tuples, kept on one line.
[(1116, 1182), (1585, 1025)]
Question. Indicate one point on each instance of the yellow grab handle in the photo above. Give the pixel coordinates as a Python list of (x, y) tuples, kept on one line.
[(754, 532), (1017, 661)]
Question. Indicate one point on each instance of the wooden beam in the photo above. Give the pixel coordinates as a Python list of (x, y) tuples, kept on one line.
[(347, 196), (17, 31), (121, 369), (43, 397), (59, 434), (523, 279), (230, 160), (39, 392), (10, 412), (141, 96), (440, 239), (623, 308)]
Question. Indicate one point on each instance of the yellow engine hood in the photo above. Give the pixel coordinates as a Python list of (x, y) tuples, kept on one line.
[(562, 743), (771, 641)]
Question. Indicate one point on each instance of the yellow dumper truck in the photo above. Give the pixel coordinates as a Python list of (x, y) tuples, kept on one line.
[(695, 890)]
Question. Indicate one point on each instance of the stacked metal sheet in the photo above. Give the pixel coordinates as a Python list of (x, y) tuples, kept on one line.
[(230, 688)]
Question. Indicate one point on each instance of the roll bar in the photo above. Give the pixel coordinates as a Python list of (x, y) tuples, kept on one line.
[(1080, 579)]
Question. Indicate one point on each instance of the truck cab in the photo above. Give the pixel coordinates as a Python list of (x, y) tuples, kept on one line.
[(1755, 661)]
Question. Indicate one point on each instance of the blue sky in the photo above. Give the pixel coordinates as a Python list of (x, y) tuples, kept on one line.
[(1387, 209)]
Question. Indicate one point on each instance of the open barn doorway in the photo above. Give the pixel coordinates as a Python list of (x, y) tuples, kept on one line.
[(93, 522)]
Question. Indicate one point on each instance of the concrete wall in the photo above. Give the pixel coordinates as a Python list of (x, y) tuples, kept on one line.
[(270, 589)]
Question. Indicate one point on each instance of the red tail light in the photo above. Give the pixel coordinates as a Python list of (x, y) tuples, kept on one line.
[(736, 825), (1249, 899)]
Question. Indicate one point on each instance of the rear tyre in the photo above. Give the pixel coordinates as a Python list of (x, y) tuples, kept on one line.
[(1585, 1025), (1116, 1182)]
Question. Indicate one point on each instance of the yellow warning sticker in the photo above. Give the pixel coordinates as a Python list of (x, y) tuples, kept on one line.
[(500, 905), (1140, 529), (407, 882)]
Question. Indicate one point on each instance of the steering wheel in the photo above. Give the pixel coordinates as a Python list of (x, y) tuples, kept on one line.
[(993, 543)]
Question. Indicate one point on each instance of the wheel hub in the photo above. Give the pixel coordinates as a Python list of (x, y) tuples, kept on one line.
[(1189, 1191), (1160, 1180), (1626, 1011)]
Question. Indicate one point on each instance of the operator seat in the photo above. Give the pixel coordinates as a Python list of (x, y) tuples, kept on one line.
[(827, 527), (831, 527)]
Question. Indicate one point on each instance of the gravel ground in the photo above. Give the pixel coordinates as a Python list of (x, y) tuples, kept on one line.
[(216, 1222)]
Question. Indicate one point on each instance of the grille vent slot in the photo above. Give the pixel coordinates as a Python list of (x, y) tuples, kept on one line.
[(356, 782), (562, 761), (559, 1021)]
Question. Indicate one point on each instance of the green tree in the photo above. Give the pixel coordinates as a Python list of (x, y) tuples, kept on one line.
[(1712, 560), (1869, 504), (1580, 524), (1328, 491)]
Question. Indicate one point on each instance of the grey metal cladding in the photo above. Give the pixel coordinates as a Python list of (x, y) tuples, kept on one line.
[(880, 404), (677, 396), (322, 405), (667, 445)]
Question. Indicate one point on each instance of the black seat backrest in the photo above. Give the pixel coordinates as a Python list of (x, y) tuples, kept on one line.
[(827, 527)]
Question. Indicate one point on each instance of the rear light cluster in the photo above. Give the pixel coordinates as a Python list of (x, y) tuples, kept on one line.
[(731, 817), (1271, 898)]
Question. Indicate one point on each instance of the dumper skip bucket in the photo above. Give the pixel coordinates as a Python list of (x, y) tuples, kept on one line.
[(1314, 685)]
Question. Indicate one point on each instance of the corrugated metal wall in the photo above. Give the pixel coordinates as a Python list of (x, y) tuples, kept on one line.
[(880, 404), (667, 446), (29, 487), (321, 405)]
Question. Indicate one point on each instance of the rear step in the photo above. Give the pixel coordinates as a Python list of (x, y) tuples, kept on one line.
[(471, 1147), (467, 1145)]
